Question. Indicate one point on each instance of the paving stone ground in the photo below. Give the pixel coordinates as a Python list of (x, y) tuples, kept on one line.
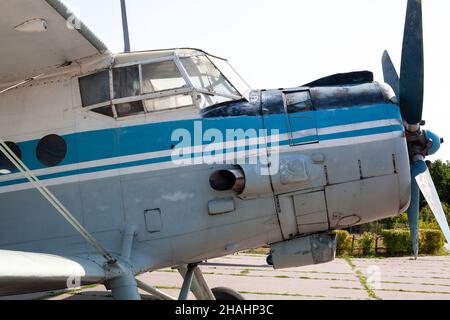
[(389, 278)]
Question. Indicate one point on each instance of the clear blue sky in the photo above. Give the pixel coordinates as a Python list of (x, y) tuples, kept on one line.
[(286, 43)]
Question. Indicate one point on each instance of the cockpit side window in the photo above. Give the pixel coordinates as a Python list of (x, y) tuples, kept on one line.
[(126, 82), (129, 108), (299, 101), (160, 76), (94, 88)]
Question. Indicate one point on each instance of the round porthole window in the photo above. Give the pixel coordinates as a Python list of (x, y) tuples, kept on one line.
[(51, 150), (7, 166)]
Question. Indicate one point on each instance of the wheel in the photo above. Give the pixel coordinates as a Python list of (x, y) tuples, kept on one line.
[(269, 260), (226, 294)]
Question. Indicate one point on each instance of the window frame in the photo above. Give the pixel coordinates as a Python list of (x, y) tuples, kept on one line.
[(188, 89), (311, 111), (206, 92), (96, 72)]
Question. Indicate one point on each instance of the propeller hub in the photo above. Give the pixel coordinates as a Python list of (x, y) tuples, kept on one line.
[(418, 144), (435, 142)]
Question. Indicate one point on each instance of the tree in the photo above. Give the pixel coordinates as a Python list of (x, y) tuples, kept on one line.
[(440, 172)]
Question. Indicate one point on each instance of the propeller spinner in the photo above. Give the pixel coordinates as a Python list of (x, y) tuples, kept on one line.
[(409, 88)]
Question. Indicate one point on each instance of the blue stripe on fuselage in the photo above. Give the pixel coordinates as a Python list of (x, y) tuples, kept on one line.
[(133, 140)]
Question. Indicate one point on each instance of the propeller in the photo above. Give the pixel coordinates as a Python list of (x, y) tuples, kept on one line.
[(409, 88), (412, 67), (390, 74)]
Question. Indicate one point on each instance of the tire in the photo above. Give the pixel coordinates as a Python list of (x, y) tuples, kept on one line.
[(269, 260), (226, 294)]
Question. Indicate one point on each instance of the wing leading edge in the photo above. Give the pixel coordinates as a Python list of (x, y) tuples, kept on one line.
[(26, 52)]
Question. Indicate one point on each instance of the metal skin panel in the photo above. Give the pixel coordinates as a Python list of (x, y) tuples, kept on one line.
[(153, 220), (286, 216), (372, 152), (311, 212), (221, 206), (362, 201), (26, 217), (187, 227), (187, 234), (99, 212), (298, 171)]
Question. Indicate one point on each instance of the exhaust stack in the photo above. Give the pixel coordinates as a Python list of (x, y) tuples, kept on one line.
[(225, 180)]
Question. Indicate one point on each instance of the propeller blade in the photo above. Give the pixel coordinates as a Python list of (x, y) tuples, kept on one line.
[(426, 185), (412, 68), (390, 74), (413, 211)]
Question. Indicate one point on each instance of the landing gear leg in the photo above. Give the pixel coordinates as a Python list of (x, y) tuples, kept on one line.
[(198, 286), (187, 283), (124, 287)]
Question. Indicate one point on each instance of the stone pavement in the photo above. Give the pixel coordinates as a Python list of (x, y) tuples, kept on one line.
[(387, 278)]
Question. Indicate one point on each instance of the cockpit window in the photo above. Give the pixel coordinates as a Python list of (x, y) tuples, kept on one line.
[(126, 82), (129, 108), (161, 76), (205, 76), (186, 78), (299, 101), (207, 100), (166, 103), (232, 76), (94, 88)]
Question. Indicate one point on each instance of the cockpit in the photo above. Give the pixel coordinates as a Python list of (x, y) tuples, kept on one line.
[(145, 82)]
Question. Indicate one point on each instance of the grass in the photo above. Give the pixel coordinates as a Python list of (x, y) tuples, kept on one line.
[(244, 272), (167, 270), (264, 251), (51, 294), (367, 256), (441, 253), (362, 279), (291, 295), (399, 290), (72, 292), (288, 271)]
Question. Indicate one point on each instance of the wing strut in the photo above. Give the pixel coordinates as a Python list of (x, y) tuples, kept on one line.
[(54, 201)]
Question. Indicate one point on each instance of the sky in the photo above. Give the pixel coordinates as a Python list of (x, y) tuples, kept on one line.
[(287, 43)]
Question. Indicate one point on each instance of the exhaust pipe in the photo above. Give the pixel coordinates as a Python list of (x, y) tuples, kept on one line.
[(224, 180)]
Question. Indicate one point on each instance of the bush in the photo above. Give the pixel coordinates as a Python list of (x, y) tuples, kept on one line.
[(343, 242), (429, 225), (397, 241), (397, 222), (431, 241), (367, 242)]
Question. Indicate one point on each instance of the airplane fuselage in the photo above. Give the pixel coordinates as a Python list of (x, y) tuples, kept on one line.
[(338, 157)]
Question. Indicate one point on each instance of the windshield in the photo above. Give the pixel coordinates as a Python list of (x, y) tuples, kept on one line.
[(230, 73), (205, 76)]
